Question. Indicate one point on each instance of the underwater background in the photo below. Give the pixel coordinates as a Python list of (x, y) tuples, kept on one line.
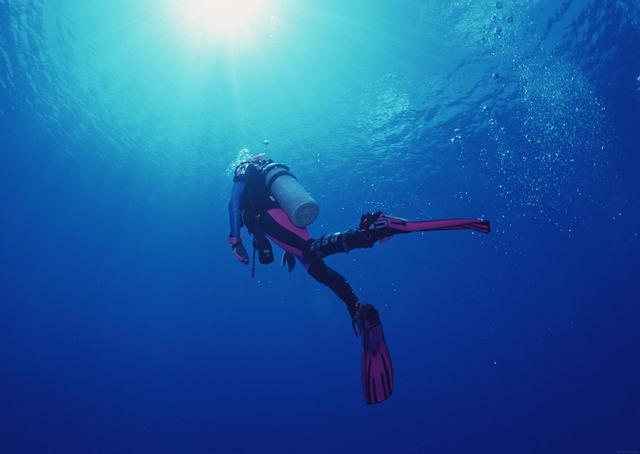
[(126, 325)]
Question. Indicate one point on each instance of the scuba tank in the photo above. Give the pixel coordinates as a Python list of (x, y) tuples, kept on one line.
[(301, 208), (270, 180)]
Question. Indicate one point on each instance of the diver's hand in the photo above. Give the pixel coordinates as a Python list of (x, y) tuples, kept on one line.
[(240, 253)]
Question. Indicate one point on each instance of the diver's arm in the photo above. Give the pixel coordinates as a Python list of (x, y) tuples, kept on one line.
[(234, 211), (235, 221)]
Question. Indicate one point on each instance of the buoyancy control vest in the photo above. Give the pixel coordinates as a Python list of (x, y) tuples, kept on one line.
[(256, 198)]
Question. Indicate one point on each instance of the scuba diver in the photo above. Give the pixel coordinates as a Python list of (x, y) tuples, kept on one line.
[(269, 201)]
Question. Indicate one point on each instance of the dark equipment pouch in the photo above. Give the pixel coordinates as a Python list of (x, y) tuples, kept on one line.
[(263, 246)]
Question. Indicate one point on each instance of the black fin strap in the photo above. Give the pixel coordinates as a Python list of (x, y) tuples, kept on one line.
[(354, 325), (345, 244), (356, 320), (253, 261)]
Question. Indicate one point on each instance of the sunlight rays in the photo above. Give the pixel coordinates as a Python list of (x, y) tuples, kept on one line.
[(220, 22)]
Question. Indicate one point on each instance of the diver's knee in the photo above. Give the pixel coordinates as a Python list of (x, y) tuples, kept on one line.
[(318, 270), (329, 244)]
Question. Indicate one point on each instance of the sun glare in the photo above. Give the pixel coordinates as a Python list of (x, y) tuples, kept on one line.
[(219, 21)]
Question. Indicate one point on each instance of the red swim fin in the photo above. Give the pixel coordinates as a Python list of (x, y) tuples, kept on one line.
[(377, 368), (402, 225), (383, 226), (377, 375)]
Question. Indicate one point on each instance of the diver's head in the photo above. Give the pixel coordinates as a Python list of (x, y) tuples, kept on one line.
[(245, 155), (258, 160)]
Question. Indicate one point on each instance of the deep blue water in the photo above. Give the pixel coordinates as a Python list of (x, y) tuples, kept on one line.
[(128, 327)]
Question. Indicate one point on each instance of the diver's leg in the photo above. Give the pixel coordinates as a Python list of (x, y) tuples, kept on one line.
[(295, 240), (376, 365), (279, 228), (370, 230), (336, 282), (376, 227), (334, 243)]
